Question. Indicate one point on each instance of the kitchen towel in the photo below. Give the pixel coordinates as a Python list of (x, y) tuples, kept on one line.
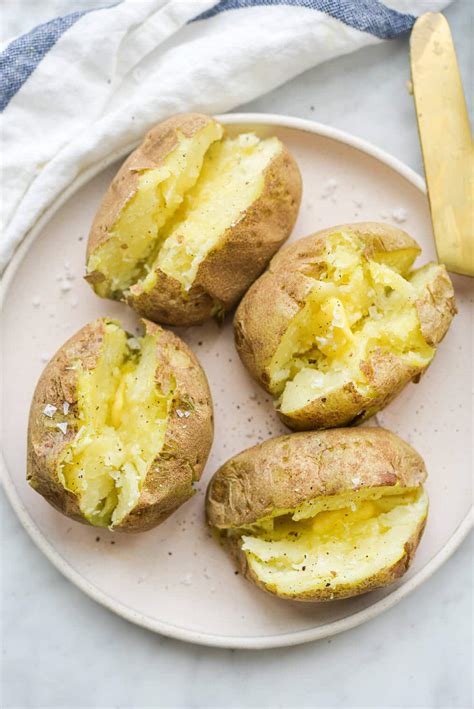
[(81, 87)]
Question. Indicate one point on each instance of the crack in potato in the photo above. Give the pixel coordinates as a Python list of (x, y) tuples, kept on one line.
[(181, 211), (333, 542), (355, 306), (122, 420)]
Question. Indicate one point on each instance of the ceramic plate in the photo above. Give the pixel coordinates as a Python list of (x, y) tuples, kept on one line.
[(175, 580)]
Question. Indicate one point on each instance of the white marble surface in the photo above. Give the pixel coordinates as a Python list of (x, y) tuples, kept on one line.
[(60, 649)]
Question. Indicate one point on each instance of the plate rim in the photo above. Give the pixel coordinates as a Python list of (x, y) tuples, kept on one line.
[(258, 642)]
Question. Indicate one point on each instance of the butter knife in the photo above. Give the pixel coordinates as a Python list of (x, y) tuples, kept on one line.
[(446, 141)]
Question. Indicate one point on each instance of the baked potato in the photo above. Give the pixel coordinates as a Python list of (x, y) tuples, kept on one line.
[(191, 219), (120, 427), (317, 516), (339, 323)]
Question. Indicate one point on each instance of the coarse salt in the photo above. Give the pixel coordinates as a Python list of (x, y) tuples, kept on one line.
[(66, 408), (329, 188), (182, 413), (49, 410), (399, 215), (187, 580), (65, 286), (62, 427), (133, 343)]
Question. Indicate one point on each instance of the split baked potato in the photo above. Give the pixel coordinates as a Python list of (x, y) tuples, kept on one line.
[(339, 323), (120, 427), (317, 516), (191, 219)]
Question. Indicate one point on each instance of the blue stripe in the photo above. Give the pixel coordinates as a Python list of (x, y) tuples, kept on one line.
[(22, 56), (365, 15)]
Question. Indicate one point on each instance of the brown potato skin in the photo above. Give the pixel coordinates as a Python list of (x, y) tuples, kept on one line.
[(282, 473), (243, 252), (168, 482), (278, 295)]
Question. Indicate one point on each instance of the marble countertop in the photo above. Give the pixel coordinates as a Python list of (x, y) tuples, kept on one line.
[(60, 649)]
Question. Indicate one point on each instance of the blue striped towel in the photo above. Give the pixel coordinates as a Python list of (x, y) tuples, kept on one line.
[(80, 87)]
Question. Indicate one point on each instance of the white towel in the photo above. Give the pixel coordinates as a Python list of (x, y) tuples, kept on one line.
[(81, 86)]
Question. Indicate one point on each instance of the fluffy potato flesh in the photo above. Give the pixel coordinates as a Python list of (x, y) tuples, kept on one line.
[(123, 417), (354, 306), (181, 210), (335, 541), (125, 257)]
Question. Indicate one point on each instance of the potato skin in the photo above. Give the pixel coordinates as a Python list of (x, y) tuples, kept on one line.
[(385, 372), (46, 444), (282, 473), (437, 308), (168, 482), (279, 294), (243, 252)]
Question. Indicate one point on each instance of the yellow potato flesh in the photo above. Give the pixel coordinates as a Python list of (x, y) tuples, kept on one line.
[(182, 209), (354, 306), (123, 418), (231, 180), (341, 540), (124, 258)]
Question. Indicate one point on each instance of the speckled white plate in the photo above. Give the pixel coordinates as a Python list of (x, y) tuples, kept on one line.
[(175, 580)]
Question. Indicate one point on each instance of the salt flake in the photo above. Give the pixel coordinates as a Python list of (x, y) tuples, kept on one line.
[(329, 189), (133, 343), (187, 580), (65, 286), (182, 413), (49, 410), (62, 427), (400, 215), (66, 408)]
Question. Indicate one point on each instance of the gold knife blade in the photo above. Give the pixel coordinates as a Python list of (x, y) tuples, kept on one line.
[(446, 140)]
